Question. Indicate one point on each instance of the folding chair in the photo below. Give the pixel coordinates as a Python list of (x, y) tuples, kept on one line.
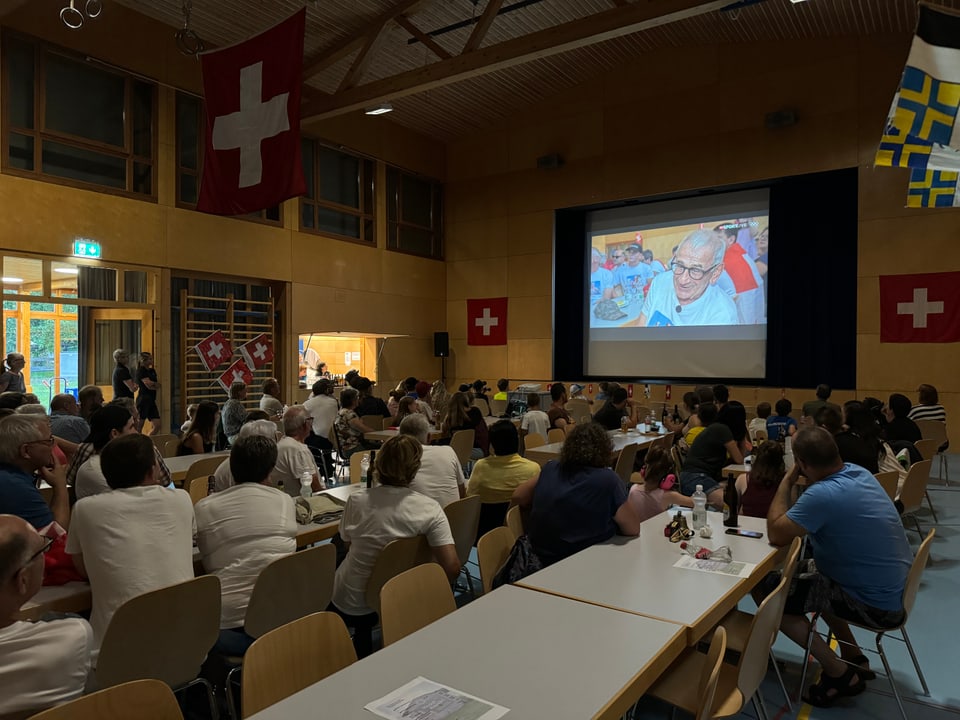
[(414, 599)]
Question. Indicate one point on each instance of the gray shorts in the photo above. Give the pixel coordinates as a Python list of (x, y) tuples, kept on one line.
[(812, 592), (690, 480)]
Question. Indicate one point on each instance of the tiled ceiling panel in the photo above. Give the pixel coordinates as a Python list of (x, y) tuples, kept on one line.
[(461, 108)]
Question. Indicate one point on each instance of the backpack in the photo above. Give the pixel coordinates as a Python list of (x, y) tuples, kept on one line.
[(521, 562)]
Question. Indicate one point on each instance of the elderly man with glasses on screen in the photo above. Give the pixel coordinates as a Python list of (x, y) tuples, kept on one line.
[(26, 453), (43, 663), (688, 295)]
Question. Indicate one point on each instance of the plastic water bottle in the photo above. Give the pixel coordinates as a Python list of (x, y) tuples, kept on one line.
[(365, 471), (306, 481), (699, 508)]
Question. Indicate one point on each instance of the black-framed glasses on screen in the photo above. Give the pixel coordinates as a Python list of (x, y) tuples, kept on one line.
[(695, 273)]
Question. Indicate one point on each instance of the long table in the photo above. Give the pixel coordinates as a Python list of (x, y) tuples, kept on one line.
[(551, 451), (636, 575), (434, 433), (178, 466), (539, 655), (73, 597)]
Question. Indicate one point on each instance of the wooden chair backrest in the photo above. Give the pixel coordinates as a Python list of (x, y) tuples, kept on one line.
[(170, 448), (927, 448), (556, 435), (355, 461), (933, 430), (515, 521), (915, 484), (498, 407), (533, 441), (464, 518), (414, 599), (291, 588), (462, 443), (160, 441), (577, 408), (293, 657), (625, 460), (202, 468), (888, 481), (142, 699), (163, 634), (396, 557), (374, 422), (710, 674), (493, 549), (916, 572), (199, 490)]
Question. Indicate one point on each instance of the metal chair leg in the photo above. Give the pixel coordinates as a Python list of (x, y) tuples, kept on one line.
[(466, 571), (916, 664), (758, 707), (228, 690), (783, 688), (806, 655), (926, 494), (890, 678)]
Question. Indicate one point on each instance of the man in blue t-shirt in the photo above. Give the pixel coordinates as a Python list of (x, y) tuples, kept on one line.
[(861, 553), (26, 449), (781, 426)]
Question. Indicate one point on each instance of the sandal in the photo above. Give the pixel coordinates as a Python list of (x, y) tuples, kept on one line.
[(826, 692), (863, 665)]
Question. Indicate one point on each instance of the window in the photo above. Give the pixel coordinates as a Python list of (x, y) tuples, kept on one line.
[(71, 121), (190, 138), (339, 199), (414, 214)]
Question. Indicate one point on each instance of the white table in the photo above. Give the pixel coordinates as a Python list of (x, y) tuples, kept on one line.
[(178, 466), (539, 655), (636, 575), (74, 597), (551, 451)]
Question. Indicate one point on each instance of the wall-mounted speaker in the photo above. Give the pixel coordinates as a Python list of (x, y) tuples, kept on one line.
[(441, 344)]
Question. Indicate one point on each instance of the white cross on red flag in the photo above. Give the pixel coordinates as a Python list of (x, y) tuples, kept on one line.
[(920, 308), (214, 350), (258, 352), (252, 101), (487, 321), (238, 372)]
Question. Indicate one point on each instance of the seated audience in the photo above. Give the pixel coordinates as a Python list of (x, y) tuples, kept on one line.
[(393, 402), (406, 406), (108, 422), (757, 487), (350, 428), (861, 554), (781, 426), (615, 410), (11, 399), (688, 415), (899, 426), (440, 475), (577, 501), (293, 456), (243, 529), (502, 386), (859, 446), (423, 401), (576, 393), (257, 424), (460, 416), (714, 448), (759, 423), (656, 492), (480, 398), (559, 417), (234, 411), (811, 407), (270, 401), (721, 396), (734, 416), (41, 663), (371, 519), (368, 403), (90, 399), (135, 539), (495, 478), (439, 398), (928, 405), (534, 421), (202, 433), (26, 455), (65, 420)]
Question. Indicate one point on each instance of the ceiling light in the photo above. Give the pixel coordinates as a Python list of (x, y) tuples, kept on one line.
[(380, 109), (12, 281), (797, 1), (67, 271)]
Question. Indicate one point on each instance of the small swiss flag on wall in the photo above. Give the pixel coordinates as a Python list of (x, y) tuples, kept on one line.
[(920, 308), (487, 321)]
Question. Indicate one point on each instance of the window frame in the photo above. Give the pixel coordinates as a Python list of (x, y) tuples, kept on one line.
[(40, 133), (362, 214), (436, 212)]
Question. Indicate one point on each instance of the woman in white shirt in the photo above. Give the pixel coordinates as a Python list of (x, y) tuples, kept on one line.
[(373, 518), (108, 422)]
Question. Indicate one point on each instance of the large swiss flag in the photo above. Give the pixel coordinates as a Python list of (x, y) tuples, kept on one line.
[(920, 308), (487, 321), (252, 100)]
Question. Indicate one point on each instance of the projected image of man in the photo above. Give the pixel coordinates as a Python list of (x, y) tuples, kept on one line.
[(601, 279), (688, 295), (634, 274)]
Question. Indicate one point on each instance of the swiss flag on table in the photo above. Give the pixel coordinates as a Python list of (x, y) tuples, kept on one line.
[(920, 308), (258, 352), (214, 350), (487, 321), (252, 93), (238, 372)]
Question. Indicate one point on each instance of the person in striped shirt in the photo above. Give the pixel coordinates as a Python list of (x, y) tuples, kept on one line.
[(928, 407)]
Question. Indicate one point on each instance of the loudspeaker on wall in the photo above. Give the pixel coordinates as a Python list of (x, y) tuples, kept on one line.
[(441, 344)]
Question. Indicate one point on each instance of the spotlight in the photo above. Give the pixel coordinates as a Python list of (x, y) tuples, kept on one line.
[(380, 109)]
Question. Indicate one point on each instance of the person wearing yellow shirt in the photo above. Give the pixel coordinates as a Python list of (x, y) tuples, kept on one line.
[(502, 385)]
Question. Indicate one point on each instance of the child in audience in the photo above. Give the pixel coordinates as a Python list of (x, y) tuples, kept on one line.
[(781, 426), (759, 423), (535, 420), (655, 493)]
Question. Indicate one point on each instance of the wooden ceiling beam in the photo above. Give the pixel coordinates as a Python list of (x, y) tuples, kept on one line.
[(325, 58), (602, 26), (483, 25), (404, 22)]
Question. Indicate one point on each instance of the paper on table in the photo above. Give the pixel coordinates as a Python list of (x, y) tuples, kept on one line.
[(738, 569), (422, 699)]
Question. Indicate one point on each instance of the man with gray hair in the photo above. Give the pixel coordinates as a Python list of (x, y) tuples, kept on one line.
[(44, 663), (293, 456), (440, 475), (223, 477), (65, 420), (688, 295), (233, 412), (26, 452)]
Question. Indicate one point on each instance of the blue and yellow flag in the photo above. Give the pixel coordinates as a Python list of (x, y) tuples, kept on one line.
[(933, 188)]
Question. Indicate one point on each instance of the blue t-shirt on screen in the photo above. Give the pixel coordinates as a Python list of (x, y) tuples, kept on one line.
[(778, 426), (19, 496), (857, 537), (573, 512)]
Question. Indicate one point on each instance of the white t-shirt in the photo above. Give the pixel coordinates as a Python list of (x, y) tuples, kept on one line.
[(293, 458), (239, 532), (271, 406), (43, 663), (371, 519), (633, 279), (439, 475), (323, 409), (714, 307), (535, 422), (600, 281), (90, 479), (222, 477), (133, 540)]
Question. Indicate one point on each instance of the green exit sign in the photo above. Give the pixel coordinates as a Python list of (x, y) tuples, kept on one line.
[(86, 249)]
